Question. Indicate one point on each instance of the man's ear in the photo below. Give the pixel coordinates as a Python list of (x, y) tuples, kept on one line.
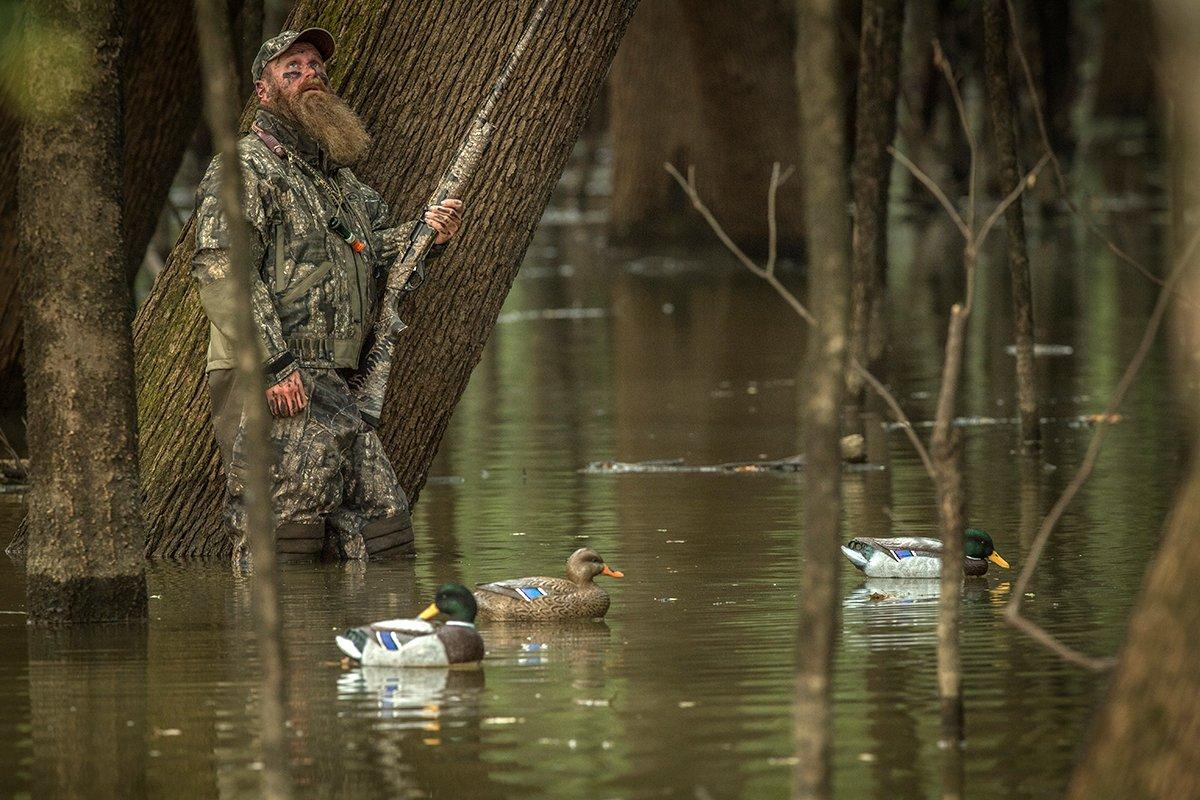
[(260, 90)]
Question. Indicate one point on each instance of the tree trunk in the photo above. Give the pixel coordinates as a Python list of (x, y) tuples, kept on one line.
[(221, 98), (418, 124), (85, 533), (161, 88), (1143, 744), (824, 179), (875, 127), (705, 83), (946, 455), (1008, 176)]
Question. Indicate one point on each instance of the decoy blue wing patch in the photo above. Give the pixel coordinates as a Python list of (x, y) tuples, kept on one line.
[(387, 639), (530, 593), (902, 553)]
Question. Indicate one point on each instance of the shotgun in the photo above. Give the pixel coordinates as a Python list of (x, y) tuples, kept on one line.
[(370, 385)]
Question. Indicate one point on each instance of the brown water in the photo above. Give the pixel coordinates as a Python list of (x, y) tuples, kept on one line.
[(685, 690)]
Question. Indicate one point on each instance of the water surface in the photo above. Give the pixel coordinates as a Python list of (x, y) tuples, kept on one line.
[(685, 690)]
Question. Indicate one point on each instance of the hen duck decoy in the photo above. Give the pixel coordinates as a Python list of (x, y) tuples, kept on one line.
[(540, 598), (919, 556), (417, 643)]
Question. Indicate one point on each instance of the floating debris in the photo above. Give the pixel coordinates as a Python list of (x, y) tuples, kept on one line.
[(1045, 350), (791, 464), (1081, 421), (551, 313)]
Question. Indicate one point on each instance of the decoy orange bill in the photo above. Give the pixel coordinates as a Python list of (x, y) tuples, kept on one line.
[(432, 611), (996, 559), (611, 572)]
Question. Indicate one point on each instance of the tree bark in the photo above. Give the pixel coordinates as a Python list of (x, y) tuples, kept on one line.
[(875, 128), (1143, 744), (1008, 176), (705, 83), (85, 533), (825, 185), (161, 90), (418, 124)]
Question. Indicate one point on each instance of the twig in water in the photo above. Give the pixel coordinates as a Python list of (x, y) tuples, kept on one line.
[(1012, 611)]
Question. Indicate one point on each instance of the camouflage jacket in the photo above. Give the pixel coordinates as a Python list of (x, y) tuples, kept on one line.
[(315, 298)]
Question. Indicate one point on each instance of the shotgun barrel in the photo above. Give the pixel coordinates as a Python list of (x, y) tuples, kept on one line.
[(370, 385)]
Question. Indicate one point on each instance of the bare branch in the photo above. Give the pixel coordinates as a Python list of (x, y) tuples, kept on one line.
[(934, 189), (689, 187), (943, 64), (776, 181), (902, 418), (1012, 612), (1059, 174), (1025, 183)]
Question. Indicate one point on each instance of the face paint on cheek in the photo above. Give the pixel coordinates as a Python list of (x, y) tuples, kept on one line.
[(291, 77)]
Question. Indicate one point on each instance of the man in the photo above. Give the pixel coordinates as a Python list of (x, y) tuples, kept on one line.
[(321, 243)]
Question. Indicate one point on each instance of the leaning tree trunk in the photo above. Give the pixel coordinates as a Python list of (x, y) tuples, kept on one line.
[(387, 64), (1143, 744), (705, 83), (875, 127), (161, 87), (85, 534), (824, 177), (1008, 175)]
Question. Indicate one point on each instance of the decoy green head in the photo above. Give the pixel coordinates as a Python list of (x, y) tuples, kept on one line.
[(455, 601), (977, 544)]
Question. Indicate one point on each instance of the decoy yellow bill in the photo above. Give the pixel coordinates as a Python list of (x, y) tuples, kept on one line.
[(611, 572), (431, 612), (996, 559)]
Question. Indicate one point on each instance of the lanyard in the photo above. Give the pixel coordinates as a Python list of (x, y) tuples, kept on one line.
[(335, 223)]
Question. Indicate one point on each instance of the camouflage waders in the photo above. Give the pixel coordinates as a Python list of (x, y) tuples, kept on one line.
[(333, 490)]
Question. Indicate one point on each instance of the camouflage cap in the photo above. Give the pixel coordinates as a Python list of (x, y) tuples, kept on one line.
[(271, 48)]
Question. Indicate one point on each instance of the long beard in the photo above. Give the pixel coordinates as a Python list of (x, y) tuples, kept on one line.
[(325, 117)]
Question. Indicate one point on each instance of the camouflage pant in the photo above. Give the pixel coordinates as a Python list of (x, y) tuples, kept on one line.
[(333, 490)]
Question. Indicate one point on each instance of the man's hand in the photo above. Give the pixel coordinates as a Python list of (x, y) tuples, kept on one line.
[(287, 398), (445, 218)]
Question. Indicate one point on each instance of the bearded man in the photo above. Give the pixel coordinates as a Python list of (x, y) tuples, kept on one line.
[(322, 243)]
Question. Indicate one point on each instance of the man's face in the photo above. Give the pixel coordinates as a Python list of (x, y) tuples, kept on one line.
[(298, 69)]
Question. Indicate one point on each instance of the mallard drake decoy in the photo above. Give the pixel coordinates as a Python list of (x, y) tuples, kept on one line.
[(575, 597), (415, 642), (919, 556)]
